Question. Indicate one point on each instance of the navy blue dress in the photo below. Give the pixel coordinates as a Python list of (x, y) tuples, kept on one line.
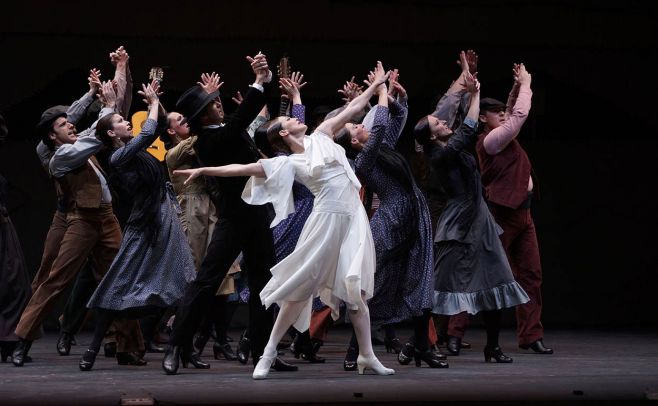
[(401, 227), (154, 263)]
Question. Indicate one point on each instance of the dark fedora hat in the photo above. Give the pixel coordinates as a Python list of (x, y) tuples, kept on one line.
[(50, 115), (193, 100), (491, 104)]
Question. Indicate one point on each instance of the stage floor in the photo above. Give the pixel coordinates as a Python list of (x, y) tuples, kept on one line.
[(587, 365)]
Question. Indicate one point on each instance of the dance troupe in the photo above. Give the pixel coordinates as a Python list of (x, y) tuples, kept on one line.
[(303, 225)]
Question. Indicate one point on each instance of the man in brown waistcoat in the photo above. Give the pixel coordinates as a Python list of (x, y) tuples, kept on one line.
[(505, 170), (91, 230)]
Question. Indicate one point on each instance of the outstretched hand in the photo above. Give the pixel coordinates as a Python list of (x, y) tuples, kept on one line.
[(237, 99), (468, 61), (521, 75), (210, 82), (94, 80), (378, 76), (151, 92), (120, 56), (350, 90), (260, 68), (471, 83), (190, 173), (107, 94)]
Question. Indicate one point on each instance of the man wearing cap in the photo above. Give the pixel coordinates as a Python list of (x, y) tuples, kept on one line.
[(505, 169), (240, 227), (91, 227)]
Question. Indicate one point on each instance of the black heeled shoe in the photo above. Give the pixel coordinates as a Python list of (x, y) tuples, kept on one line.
[(19, 356), (244, 346), (87, 361), (430, 358), (64, 344), (225, 350), (200, 343), (130, 358), (283, 366), (453, 345), (170, 360), (393, 345), (189, 357), (349, 364), (497, 354), (406, 354), (538, 347), (303, 347), (110, 350)]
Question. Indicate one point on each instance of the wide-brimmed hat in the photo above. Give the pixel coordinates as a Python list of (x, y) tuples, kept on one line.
[(192, 101), (491, 104), (50, 115)]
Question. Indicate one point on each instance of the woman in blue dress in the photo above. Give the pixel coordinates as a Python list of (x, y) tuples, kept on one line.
[(401, 226), (154, 263)]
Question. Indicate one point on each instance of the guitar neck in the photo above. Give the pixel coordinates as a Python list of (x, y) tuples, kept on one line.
[(283, 106)]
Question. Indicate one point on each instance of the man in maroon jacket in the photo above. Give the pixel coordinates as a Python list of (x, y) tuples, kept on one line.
[(506, 176)]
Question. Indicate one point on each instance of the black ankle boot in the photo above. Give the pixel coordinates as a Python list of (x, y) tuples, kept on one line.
[(200, 343), (87, 361), (64, 344), (430, 358), (349, 364), (189, 357), (497, 354), (454, 345), (19, 356), (393, 345), (171, 359), (110, 350), (225, 350), (244, 346), (303, 347), (406, 354)]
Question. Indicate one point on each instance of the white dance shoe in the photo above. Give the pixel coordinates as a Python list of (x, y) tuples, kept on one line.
[(264, 364), (373, 363)]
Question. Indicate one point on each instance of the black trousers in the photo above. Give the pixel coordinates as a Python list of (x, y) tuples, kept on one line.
[(75, 311), (252, 236)]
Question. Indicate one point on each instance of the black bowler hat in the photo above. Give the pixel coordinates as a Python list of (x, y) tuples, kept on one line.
[(192, 101), (491, 104), (50, 115)]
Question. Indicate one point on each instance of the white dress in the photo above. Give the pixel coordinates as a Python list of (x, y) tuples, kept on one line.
[(335, 255)]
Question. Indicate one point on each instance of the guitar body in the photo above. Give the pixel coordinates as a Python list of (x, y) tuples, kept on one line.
[(157, 149)]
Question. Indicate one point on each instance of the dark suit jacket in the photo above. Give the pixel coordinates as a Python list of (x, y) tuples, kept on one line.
[(231, 144)]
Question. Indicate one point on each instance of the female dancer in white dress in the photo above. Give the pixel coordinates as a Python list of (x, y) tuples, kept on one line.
[(335, 255)]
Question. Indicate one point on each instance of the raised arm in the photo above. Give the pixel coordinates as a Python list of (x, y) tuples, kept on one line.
[(254, 100), (78, 108), (226, 171), (448, 106), (123, 79), (366, 159), (398, 109), (332, 125), (147, 135), (292, 88), (465, 136), (500, 137)]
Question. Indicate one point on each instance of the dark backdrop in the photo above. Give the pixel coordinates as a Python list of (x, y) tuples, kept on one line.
[(591, 134)]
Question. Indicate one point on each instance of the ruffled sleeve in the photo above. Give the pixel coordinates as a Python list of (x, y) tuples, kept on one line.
[(275, 188), (322, 150)]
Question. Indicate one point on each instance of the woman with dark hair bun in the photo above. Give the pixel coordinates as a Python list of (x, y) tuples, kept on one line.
[(334, 257), (154, 262), (401, 227)]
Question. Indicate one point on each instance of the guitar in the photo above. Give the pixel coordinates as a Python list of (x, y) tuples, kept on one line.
[(157, 149), (284, 71)]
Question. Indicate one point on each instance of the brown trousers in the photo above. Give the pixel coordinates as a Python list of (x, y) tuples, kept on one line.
[(94, 232), (519, 239)]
